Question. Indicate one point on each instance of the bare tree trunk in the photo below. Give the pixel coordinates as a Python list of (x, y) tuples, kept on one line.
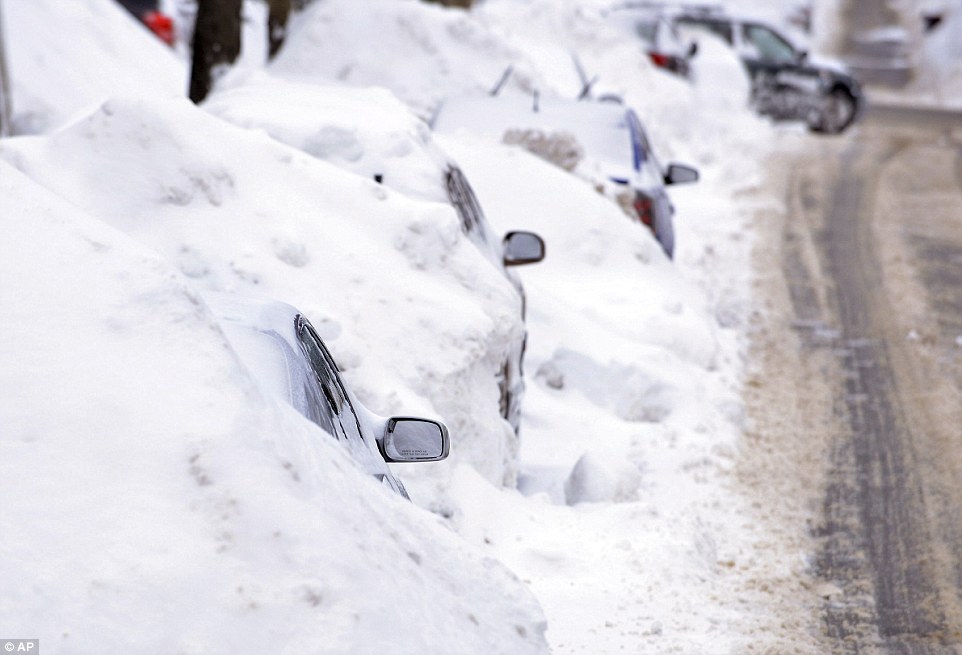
[(6, 112), (278, 12), (216, 42)]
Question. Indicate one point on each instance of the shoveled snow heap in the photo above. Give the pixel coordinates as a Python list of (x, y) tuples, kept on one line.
[(629, 527), (385, 279), (154, 501)]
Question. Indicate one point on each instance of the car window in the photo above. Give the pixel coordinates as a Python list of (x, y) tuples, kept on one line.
[(640, 148), (465, 202), (334, 395), (719, 28), (306, 395), (767, 45)]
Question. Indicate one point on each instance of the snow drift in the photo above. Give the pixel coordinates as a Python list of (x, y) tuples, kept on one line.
[(155, 501), (415, 316)]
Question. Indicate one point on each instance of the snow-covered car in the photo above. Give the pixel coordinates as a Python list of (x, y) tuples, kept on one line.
[(786, 83), (371, 133), (284, 353), (665, 45), (609, 133)]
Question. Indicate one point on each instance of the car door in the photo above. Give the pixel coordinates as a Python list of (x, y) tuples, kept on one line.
[(782, 85)]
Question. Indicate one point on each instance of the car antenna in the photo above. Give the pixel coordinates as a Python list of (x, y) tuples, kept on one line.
[(501, 82), (586, 84), (535, 102)]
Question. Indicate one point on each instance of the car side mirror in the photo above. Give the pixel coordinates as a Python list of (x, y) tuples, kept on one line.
[(692, 49), (522, 248), (680, 174), (802, 56), (410, 439)]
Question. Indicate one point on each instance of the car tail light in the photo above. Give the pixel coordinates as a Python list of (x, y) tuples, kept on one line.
[(660, 60), (645, 210), (161, 25)]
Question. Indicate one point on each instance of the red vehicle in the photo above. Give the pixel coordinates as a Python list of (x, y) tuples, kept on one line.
[(148, 13)]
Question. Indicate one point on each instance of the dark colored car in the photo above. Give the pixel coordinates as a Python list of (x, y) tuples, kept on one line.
[(608, 132), (288, 360), (786, 84)]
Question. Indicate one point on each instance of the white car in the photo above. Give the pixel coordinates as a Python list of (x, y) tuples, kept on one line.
[(287, 358)]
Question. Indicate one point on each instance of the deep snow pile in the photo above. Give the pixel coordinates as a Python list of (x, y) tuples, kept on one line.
[(386, 279), (155, 501), (633, 420), (628, 524)]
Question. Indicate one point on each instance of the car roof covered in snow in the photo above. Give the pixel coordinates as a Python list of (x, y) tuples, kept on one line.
[(367, 131)]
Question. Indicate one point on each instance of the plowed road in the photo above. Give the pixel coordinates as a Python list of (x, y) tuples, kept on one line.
[(871, 254)]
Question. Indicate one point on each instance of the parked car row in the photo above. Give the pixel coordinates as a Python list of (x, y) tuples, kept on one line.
[(786, 84), (359, 130), (370, 119), (289, 356)]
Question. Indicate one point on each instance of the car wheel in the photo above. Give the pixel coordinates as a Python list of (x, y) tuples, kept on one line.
[(838, 112)]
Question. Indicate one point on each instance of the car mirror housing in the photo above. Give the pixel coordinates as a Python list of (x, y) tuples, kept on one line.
[(411, 439), (681, 174), (522, 248)]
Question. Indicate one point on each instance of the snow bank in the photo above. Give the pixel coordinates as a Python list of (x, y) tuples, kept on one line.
[(66, 56), (154, 501), (413, 313), (421, 52), (628, 523)]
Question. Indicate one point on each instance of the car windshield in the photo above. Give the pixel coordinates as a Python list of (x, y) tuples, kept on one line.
[(334, 394), (718, 28), (769, 46)]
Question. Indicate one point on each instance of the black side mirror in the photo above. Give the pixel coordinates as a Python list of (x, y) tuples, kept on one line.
[(802, 56), (680, 174), (410, 439), (692, 49), (522, 248)]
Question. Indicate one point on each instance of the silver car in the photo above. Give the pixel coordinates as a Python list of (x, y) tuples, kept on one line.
[(283, 352), (608, 132), (371, 133)]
